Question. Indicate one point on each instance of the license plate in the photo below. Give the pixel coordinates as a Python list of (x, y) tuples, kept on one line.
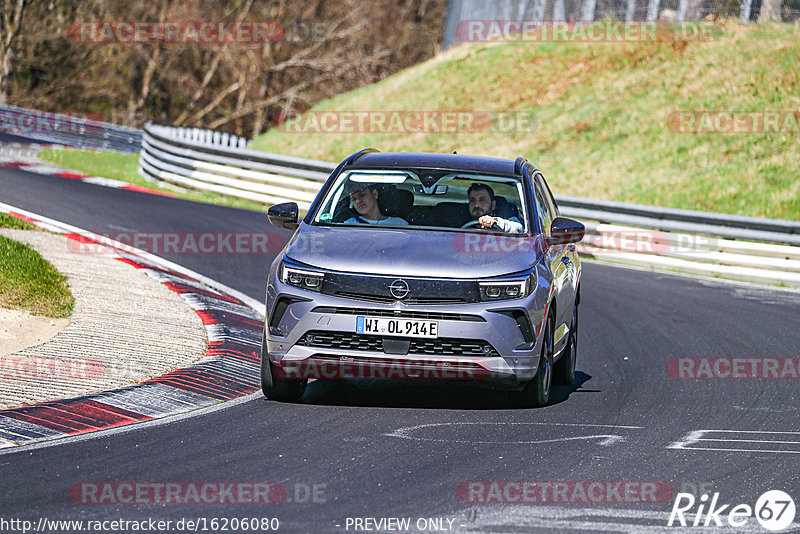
[(384, 326)]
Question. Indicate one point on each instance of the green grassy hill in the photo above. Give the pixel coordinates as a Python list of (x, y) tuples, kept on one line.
[(602, 116)]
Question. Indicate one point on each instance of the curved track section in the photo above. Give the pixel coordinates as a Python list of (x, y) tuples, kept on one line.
[(358, 450), (229, 369)]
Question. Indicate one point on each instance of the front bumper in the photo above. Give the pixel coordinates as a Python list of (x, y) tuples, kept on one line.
[(513, 359)]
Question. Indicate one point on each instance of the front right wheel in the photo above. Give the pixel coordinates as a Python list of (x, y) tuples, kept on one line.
[(564, 368), (275, 387)]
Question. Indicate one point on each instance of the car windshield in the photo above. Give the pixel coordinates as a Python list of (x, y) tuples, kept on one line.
[(425, 199)]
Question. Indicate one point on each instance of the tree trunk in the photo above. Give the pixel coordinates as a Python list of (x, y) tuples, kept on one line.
[(10, 24), (770, 10)]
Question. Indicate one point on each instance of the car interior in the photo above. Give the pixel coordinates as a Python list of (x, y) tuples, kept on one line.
[(396, 202)]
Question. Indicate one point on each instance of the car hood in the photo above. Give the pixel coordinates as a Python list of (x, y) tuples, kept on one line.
[(412, 252)]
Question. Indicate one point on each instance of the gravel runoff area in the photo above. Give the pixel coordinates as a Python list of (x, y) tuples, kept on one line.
[(125, 328)]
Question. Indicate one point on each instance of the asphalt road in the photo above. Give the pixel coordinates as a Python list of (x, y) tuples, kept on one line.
[(400, 449)]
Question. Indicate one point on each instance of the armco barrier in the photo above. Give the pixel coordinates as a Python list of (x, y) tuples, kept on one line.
[(68, 129), (218, 162)]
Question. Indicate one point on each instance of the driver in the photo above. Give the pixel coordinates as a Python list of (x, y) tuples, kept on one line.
[(482, 205), (364, 198)]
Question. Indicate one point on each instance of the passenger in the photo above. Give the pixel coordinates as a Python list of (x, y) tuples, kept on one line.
[(364, 198), (482, 205)]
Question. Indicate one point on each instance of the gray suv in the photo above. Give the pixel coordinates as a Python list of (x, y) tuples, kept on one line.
[(429, 267)]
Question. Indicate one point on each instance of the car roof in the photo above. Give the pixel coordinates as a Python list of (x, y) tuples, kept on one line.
[(427, 160)]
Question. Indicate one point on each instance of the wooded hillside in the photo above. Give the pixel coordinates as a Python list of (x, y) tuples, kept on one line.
[(205, 64)]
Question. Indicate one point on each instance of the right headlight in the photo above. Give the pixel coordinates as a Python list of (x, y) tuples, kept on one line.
[(506, 289), (302, 278)]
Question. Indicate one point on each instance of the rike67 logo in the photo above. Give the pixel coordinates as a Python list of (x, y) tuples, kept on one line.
[(774, 510)]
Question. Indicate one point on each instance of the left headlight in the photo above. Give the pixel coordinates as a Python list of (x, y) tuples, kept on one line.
[(302, 278), (506, 289)]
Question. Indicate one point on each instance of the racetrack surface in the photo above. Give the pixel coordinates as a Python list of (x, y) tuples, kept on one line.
[(401, 449)]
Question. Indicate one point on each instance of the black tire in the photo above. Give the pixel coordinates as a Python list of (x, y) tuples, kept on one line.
[(537, 392), (564, 368), (275, 388)]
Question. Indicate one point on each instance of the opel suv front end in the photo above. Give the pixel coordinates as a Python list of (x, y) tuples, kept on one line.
[(399, 272)]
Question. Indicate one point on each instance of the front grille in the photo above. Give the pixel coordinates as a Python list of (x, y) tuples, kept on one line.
[(408, 300), (400, 314), (375, 288), (452, 347), (342, 340), (442, 346)]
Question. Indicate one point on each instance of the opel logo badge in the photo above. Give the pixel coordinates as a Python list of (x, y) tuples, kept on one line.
[(399, 289)]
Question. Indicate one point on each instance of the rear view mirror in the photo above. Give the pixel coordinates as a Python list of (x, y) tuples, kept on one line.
[(284, 215), (564, 231), (438, 190)]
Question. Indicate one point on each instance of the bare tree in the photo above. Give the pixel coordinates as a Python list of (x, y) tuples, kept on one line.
[(240, 87), (770, 10), (10, 25)]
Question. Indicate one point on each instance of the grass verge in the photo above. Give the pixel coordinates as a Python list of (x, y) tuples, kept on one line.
[(604, 116), (7, 221), (124, 167), (29, 282)]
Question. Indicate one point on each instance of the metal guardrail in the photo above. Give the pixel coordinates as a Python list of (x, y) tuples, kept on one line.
[(71, 130), (222, 164), (679, 220)]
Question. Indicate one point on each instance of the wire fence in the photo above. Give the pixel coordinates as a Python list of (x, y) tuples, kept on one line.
[(674, 11)]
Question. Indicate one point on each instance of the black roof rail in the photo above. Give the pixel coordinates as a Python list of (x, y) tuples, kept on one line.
[(352, 158), (518, 165)]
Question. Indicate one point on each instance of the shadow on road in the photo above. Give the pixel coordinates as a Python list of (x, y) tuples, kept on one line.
[(424, 394)]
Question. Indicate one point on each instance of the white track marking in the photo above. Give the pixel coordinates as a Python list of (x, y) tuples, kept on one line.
[(606, 439), (698, 437)]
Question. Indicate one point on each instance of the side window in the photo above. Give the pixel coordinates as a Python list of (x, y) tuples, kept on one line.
[(549, 198), (543, 211)]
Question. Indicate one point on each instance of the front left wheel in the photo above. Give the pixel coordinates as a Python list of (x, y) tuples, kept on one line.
[(274, 387), (537, 392)]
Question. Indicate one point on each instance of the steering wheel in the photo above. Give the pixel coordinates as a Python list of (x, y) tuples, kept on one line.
[(470, 224)]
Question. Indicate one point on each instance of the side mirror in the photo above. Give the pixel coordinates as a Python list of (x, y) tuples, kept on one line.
[(564, 231), (284, 215)]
